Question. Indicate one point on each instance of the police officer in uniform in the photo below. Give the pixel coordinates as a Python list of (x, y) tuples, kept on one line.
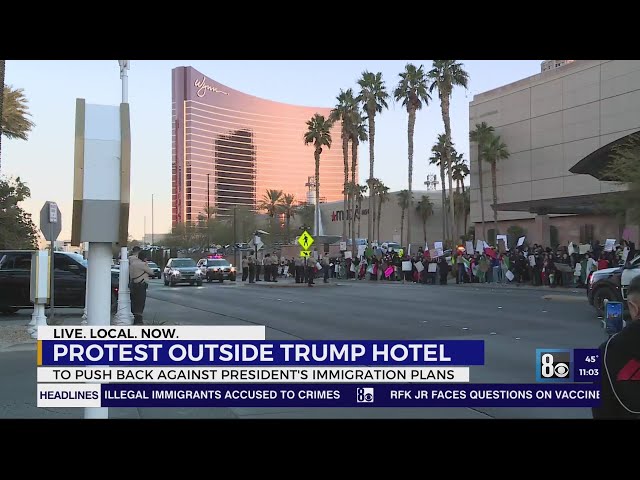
[(245, 268), (621, 366), (267, 267), (251, 262), (275, 264), (309, 270), (298, 262), (325, 267)]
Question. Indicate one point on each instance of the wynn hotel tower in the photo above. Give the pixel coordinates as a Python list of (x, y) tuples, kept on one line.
[(229, 148)]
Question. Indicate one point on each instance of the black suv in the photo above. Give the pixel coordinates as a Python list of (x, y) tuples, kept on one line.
[(70, 270)]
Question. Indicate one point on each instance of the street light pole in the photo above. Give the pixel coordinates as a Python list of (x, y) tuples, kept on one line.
[(208, 211), (152, 242), (124, 315)]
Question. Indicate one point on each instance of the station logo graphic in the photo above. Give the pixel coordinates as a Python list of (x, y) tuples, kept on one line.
[(364, 395), (554, 365)]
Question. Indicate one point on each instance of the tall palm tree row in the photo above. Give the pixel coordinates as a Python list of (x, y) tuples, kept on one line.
[(403, 203), (494, 150), (358, 134), (289, 208), (383, 197), (319, 135), (373, 97), (438, 159), (461, 198), (413, 92), (425, 210), (480, 135), (445, 75), (360, 193), (344, 112), (270, 204), (460, 171)]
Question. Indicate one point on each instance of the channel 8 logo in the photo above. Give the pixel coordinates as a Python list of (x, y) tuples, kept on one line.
[(364, 395), (554, 365)]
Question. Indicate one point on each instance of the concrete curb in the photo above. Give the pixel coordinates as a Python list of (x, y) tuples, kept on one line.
[(565, 298)]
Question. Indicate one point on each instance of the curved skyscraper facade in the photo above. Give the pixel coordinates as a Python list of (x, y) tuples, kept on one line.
[(229, 148)]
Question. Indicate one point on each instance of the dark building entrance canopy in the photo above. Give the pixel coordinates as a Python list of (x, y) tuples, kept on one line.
[(579, 204), (596, 162)]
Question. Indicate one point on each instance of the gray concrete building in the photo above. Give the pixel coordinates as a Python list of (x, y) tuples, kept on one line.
[(390, 225), (559, 127)]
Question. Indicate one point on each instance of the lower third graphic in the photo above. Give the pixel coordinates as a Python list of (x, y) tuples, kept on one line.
[(364, 395)]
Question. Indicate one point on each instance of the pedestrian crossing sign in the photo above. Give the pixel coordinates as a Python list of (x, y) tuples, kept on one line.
[(305, 253), (305, 241)]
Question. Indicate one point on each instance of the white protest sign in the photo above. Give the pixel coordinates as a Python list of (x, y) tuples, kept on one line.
[(503, 238), (361, 250), (433, 268), (609, 244), (407, 266), (419, 267), (469, 247), (571, 249), (343, 246), (479, 246), (347, 255), (584, 248), (521, 241)]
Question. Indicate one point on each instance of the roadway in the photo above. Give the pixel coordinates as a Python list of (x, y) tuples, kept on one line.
[(513, 322)]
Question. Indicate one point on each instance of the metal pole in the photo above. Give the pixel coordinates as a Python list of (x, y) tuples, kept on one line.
[(99, 308), (86, 291), (52, 307), (152, 243), (208, 212), (235, 241), (144, 233), (123, 314)]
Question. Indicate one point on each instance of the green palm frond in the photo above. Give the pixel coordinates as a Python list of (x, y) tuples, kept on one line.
[(318, 132), (447, 74), (373, 94), (413, 88), (15, 122)]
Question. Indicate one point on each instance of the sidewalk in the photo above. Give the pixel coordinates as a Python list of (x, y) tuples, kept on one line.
[(290, 283)]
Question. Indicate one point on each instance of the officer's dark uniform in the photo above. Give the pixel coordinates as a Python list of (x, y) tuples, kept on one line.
[(309, 270), (298, 262), (267, 267), (620, 375), (251, 260)]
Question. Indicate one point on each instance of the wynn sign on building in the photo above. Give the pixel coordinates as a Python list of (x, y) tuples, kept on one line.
[(230, 147)]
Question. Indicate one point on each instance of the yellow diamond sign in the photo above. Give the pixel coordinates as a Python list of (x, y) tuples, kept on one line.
[(305, 253), (305, 240)]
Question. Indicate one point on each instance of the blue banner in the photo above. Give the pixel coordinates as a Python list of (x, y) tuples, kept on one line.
[(350, 395), (265, 353)]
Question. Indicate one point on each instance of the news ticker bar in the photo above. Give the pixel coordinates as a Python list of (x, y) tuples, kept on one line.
[(150, 332), (253, 375), (315, 395), (250, 352)]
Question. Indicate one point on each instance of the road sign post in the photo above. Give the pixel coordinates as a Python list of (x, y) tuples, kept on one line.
[(51, 226)]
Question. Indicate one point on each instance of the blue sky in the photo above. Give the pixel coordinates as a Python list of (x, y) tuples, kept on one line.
[(45, 161)]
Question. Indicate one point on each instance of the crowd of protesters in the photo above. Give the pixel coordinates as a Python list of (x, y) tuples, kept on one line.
[(535, 265)]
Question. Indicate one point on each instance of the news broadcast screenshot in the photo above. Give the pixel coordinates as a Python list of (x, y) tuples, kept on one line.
[(206, 246)]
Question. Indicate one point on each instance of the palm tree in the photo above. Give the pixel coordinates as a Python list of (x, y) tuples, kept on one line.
[(373, 185), (425, 210), (460, 171), (445, 75), (14, 114), (357, 134), (437, 159), (383, 197), (403, 202), (288, 208), (494, 151), (2, 65), (480, 135), (463, 206), (373, 97), (209, 212), (362, 190), (270, 204), (344, 112), (413, 91), (319, 134)]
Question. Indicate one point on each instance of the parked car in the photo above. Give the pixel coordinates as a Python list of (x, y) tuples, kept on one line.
[(182, 270), (604, 285), (70, 270), (157, 273), (217, 268)]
